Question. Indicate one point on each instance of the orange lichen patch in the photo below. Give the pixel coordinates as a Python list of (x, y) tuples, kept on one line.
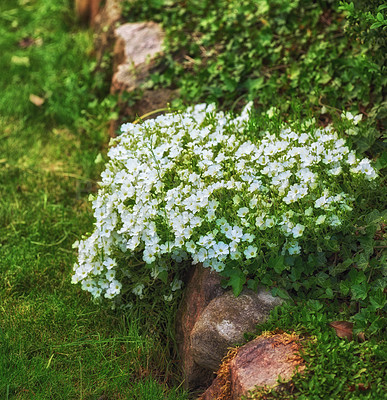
[(221, 387)]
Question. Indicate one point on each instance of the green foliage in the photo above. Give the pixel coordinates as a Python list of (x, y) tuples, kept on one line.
[(348, 267), (270, 52), (46, 57)]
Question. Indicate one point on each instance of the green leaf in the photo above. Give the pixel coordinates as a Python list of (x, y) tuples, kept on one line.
[(322, 279), (379, 17), (255, 84), (367, 244), (356, 277), (376, 25), (378, 299), (344, 287), (277, 263), (252, 284), (236, 279), (283, 294), (363, 261), (373, 217), (314, 305), (163, 276), (360, 291), (381, 162), (341, 267)]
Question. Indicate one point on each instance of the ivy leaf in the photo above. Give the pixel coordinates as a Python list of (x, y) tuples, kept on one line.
[(363, 261), (378, 299), (356, 277), (341, 267), (344, 287), (373, 217), (322, 279), (367, 244), (360, 291)]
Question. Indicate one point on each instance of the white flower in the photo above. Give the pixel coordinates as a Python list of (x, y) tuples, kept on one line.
[(199, 186), (250, 252), (242, 212), (109, 263), (137, 290), (115, 287), (298, 230), (321, 219), (110, 275), (176, 285), (295, 248)]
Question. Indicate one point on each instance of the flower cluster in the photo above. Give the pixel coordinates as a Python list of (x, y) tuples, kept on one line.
[(197, 186)]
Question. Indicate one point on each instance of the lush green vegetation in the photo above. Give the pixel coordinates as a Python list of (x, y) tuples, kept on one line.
[(54, 342), (303, 58)]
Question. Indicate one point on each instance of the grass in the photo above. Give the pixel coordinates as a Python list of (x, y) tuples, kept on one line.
[(54, 342)]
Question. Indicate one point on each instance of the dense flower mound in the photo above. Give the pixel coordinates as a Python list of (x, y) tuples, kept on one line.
[(200, 185)]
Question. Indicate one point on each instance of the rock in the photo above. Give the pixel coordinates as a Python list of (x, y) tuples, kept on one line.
[(137, 45), (262, 362), (136, 48), (224, 322), (87, 10), (203, 286), (104, 25), (259, 363)]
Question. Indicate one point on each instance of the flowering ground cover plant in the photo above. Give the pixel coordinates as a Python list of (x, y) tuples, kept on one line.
[(212, 188)]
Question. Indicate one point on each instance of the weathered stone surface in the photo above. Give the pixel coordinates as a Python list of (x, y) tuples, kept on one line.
[(87, 10), (224, 322), (137, 45), (203, 286), (258, 363), (216, 390), (261, 362)]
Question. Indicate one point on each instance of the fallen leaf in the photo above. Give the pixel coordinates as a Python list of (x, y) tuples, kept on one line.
[(361, 337), (26, 42), (343, 329), (360, 387), (38, 101)]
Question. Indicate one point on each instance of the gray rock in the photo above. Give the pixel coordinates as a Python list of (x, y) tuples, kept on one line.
[(137, 45), (224, 322)]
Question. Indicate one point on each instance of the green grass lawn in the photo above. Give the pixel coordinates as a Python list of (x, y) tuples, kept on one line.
[(54, 342)]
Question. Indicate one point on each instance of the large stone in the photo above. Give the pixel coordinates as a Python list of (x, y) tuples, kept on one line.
[(87, 10), (260, 363), (224, 322), (137, 45), (203, 286)]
